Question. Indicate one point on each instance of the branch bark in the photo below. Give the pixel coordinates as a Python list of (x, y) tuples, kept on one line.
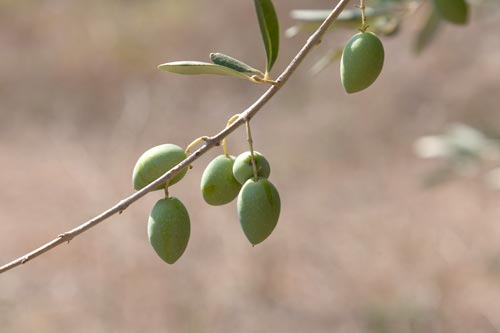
[(211, 142)]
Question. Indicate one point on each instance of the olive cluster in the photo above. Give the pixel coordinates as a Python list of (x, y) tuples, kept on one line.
[(169, 226), (225, 178)]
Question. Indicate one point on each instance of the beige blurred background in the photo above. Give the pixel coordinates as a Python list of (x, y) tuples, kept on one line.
[(361, 246)]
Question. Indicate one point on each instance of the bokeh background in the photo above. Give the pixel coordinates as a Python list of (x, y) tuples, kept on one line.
[(362, 244)]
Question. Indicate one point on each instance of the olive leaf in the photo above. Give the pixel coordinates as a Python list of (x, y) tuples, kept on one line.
[(198, 67), (428, 31), (326, 60), (347, 16), (269, 28), (377, 18), (230, 62), (455, 11), (311, 19), (319, 15)]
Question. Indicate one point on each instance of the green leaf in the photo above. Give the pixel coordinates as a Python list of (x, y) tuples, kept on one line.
[(198, 67), (453, 11), (319, 15), (269, 27), (428, 31), (325, 61), (386, 25), (230, 62), (384, 21), (348, 15)]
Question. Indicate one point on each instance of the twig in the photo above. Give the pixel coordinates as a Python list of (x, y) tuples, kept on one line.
[(210, 142), (252, 154)]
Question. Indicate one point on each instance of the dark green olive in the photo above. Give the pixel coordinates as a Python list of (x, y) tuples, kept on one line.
[(258, 209), (362, 61), (243, 170), (155, 162), (218, 184), (169, 229)]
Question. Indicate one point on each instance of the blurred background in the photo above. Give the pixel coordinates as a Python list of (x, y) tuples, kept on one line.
[(363, 243)]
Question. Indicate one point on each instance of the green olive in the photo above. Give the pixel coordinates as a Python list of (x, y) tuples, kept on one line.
[(454, 11), (169, 229), (218, 184), (258, 209), (155, 162), (362, 61), (243, 170)]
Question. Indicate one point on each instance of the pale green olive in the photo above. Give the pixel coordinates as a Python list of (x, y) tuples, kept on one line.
[(155, 162), (169, 229), (362, 61), (243, 170), (258, 209), (218, 185)]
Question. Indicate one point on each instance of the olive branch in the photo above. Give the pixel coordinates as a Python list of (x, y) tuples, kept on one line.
[(209, 142)]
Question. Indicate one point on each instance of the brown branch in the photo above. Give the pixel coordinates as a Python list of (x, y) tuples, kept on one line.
[(246, 115)]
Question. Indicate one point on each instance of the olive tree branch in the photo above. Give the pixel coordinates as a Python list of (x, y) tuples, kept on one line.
[(210, 142)]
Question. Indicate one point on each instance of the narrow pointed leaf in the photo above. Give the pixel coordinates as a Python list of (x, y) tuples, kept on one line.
[(381, 20), (428, 31), (348, 15), (269, 28), (198, 67), (319, 15), (230, 62), (325, 61), (386, 25)]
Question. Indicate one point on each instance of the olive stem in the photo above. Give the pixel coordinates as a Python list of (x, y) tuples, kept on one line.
[(252, 155), (363, 15), (210, 143), (229, 123), (192, 144)]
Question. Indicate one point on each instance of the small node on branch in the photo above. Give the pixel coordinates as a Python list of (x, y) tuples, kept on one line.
[(266, 79), (64, 236), (123, 205)]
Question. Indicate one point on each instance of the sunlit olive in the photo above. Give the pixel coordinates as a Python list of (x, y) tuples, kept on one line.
[(258, 209), (454, 11), (155, 162), (362, 61), (243, 170), (169, 229), (218, 185)]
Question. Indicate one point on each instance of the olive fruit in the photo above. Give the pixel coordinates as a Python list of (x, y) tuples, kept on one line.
[(454, 11), (258, 209), (218, 185), (362, 61), (169, 229), (243, 170), (155, 162)]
